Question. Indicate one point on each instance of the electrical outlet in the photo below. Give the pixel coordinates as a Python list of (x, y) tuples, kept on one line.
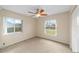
[(3, 43)]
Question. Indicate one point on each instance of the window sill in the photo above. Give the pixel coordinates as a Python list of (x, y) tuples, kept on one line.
[(12, 33)]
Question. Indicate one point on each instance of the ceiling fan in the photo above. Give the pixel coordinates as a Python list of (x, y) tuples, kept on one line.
[(38, 12)]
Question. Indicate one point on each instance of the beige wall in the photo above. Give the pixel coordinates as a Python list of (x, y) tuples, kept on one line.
[(0, 28), (28, 29), (63, 27)]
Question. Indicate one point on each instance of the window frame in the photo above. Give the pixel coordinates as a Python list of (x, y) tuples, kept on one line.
[(45, 32), (5, 25)]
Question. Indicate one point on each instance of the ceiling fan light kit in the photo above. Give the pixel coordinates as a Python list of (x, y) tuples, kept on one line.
[(39, 13)]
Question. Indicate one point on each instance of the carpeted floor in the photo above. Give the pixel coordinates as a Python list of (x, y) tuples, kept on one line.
[(37, 45)]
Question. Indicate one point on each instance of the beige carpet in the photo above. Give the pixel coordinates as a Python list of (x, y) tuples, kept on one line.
[(37, 45)]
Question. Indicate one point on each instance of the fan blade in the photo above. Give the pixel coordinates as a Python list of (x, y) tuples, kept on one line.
[(41, 11), (43, 14), (31, 12)]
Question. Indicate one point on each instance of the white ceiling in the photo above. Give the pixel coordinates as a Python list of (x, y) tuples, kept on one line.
[(50, 9)]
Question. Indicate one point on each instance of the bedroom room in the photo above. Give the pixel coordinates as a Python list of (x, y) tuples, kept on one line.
[(39, 28)]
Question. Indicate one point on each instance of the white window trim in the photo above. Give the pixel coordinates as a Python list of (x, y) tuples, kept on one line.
[(5, 27), (45, 28)]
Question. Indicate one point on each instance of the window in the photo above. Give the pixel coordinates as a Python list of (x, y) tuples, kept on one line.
[(50, 27), (12, 25), (18, 25)]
